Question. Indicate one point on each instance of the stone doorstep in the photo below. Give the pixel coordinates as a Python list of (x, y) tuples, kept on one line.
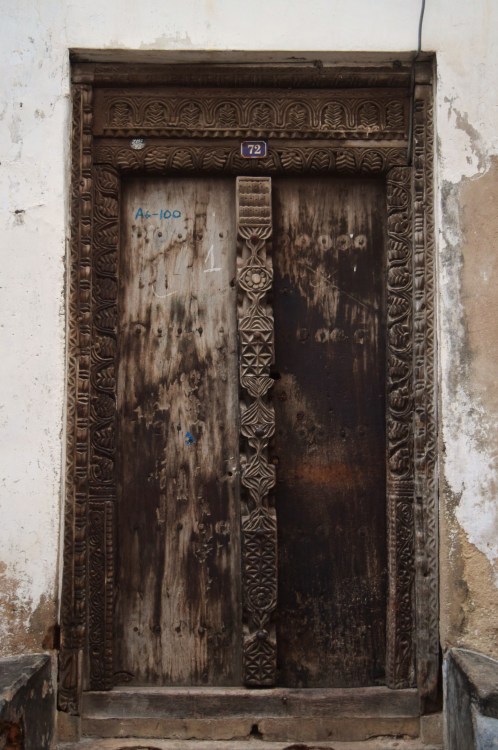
[(235, 719), (380, 743), (234, 714), (290, 730)]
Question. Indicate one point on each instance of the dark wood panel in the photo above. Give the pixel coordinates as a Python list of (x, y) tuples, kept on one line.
[(177, 617), (330, 438)]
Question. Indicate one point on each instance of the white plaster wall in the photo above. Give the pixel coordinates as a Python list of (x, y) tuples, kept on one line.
[(35, 36)]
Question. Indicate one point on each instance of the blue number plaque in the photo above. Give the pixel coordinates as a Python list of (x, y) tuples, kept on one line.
[(254, 149)]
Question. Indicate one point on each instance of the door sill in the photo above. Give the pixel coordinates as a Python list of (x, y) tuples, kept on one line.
[(234, 713)]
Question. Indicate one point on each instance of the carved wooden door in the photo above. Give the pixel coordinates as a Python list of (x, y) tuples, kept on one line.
[(212, 459), (251, 493)]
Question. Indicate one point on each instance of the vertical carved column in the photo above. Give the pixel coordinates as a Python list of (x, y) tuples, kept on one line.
[(259, 526), (400, 613), (73, 609), (426, 499), (102, 448)]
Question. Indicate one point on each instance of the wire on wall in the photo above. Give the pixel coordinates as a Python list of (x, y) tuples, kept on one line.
[(412, 82)]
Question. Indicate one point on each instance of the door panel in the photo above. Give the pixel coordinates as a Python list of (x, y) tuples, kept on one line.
[(178, 598), (177, 611), (329, 397)]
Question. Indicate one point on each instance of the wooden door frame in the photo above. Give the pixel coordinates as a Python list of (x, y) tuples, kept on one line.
[(177, 119)]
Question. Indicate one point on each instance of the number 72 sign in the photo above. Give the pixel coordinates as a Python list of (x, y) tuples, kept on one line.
[(254, 149)]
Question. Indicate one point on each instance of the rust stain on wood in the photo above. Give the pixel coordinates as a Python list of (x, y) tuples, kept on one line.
[(329, 447)]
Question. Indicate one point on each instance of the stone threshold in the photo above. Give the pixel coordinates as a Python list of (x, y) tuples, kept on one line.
[(379, 743)]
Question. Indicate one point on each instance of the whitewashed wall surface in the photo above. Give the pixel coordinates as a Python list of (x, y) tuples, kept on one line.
[(35, 39)]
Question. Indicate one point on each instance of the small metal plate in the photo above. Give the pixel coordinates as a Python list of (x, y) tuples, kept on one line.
[(254, 149)]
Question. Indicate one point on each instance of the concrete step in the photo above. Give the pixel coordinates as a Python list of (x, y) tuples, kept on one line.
[(275, 715)]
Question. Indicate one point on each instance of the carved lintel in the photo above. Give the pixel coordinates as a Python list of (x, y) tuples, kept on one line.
[(277, 113), (217, 157), (259, 526), (400, 613), (299, 74)]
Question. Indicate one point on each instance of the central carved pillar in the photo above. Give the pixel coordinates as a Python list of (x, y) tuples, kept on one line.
[(257, 419)]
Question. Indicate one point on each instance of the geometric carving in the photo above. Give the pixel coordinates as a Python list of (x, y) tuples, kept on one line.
[(399, 485), (256, 336), (260, 660), (259, 525), (260, 559)]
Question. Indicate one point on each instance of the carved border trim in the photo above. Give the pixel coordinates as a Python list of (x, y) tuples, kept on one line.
[(400, 610), (102, 459), (215, 157), (425, 425), (257, 426), (73, 606)]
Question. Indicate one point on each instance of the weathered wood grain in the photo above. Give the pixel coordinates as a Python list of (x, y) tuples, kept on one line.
[(177, 616), (209, 702), (329, 397)]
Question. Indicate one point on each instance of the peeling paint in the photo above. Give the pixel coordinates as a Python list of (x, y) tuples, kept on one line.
[(24, 623), (475, 145), (469, 357), (180, 40)]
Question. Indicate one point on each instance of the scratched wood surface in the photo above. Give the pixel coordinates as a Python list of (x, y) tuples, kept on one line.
[(177, 616), (330, 438)]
